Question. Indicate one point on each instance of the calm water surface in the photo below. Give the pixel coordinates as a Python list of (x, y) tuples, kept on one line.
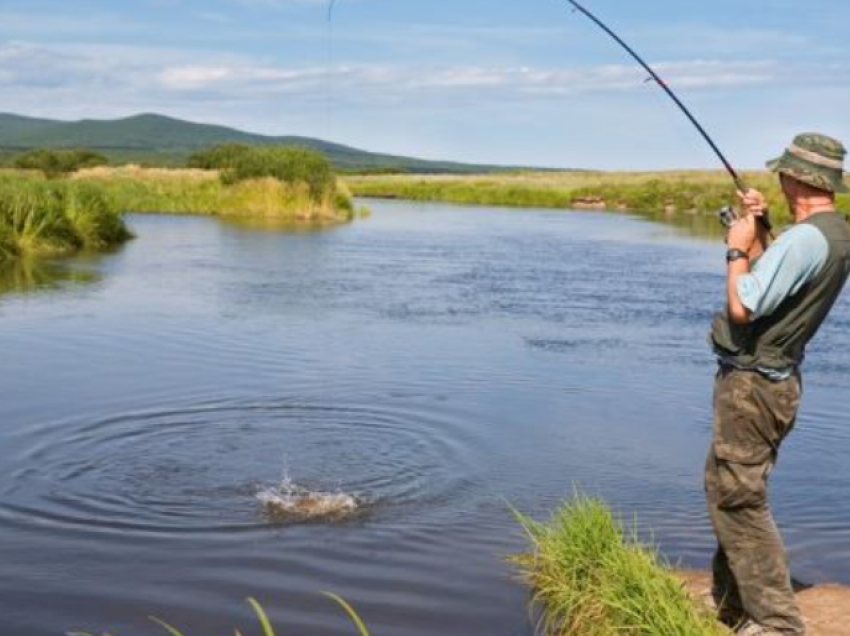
[(437, 361)]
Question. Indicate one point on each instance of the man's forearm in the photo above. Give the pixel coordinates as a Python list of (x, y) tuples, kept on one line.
[(737, 311)]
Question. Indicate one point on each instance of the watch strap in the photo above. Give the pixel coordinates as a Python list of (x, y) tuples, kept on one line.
[(736, 255)]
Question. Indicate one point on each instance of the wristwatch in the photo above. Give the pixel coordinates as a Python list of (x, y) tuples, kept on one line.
[(736, 255)]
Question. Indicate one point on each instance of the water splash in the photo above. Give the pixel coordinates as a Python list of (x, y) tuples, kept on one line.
[(289, 502)]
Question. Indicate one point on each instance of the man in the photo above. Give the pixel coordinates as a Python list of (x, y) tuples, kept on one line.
[(778, 297)]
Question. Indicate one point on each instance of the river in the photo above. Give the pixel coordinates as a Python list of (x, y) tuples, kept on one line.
[(439, 362)]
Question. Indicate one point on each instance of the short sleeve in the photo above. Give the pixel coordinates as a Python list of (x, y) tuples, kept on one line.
[(795, 259)]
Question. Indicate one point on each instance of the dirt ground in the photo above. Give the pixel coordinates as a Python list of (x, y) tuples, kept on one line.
[(826, 608)]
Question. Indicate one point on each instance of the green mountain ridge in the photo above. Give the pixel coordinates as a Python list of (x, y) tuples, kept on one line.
[(152, 139)]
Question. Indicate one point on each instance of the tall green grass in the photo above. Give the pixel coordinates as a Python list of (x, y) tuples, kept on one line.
[(262, 618), (40, 217), (591, 576)]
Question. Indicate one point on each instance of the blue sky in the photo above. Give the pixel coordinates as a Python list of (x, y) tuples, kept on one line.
[(500, 82)]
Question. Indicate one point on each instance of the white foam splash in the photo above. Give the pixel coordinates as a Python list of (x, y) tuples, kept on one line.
[(290, 502)]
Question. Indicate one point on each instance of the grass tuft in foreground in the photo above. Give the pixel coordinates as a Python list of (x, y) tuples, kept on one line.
[(262, 618), (590, 576)]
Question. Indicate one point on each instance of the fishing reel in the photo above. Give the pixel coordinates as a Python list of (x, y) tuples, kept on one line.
[(728, 216)]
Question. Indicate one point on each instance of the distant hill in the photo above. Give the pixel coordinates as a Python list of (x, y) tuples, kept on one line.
[(159, 140)]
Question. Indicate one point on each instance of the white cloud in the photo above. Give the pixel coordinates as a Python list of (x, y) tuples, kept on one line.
[(193, 77), (40, 67)]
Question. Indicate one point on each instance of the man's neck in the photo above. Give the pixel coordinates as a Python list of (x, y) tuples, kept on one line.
[(807, 208)]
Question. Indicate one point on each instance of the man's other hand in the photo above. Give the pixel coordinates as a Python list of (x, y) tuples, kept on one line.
[(753, 202)]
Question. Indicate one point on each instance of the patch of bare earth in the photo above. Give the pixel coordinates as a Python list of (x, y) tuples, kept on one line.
[(826, 608)]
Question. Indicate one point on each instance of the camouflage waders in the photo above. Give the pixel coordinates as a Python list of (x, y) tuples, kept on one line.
[(752, 416)]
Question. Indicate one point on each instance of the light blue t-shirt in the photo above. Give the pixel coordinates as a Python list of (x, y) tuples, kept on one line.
[(795, 259)]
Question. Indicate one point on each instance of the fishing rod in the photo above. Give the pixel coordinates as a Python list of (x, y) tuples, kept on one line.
[(736, 177)]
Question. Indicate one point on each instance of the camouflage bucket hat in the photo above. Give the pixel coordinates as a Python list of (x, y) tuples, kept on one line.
[(814, 159)]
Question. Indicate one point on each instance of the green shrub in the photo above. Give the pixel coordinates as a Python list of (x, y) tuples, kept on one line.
[(56, 163), (220, 157), (291, 165)]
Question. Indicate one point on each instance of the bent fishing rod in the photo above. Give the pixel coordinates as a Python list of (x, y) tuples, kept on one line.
[(736, 177)]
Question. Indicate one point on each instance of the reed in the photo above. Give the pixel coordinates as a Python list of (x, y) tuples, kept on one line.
[(591, 576), (38, 217), (262, 618)]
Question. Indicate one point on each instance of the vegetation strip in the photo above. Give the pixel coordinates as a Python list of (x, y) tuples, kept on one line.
[(591, 576), (698, 193), (234, 179)]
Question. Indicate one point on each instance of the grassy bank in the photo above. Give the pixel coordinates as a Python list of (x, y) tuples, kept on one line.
[(203, 192), (590, 576), (694, 193), (39, 218)]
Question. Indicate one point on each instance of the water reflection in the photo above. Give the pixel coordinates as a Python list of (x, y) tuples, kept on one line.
[(27, 275), (700, 225), (287, 226)]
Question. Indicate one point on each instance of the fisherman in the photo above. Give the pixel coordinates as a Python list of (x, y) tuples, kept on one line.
[(778, 297)]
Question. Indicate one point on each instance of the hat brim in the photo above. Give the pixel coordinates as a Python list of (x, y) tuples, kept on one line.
[(781, 165)]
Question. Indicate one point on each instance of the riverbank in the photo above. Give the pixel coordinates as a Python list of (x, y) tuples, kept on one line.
[(700, 193), (826, 608)]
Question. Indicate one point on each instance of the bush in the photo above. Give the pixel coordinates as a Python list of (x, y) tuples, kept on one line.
[(56, 163), (290, 165), (220, 157)]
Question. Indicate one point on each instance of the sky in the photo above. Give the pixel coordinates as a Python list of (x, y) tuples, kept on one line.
[(526, 82)]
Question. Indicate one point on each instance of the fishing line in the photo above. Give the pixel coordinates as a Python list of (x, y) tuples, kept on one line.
[(329, 87)]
